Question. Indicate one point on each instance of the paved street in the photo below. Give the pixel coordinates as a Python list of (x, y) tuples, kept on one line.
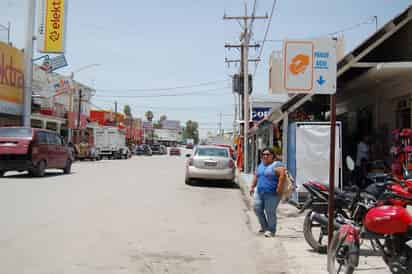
[(126, 216)]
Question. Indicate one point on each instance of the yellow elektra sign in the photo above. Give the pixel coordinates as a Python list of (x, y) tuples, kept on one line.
[(11, 79), (52, 17)]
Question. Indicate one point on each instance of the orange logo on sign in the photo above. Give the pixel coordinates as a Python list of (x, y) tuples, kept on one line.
[(299, 64)]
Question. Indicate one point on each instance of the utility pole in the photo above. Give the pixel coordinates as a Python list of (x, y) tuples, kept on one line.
[(244, 67), (79, 116), (28, 64), (80, 110), (115, 113), (220, 123)]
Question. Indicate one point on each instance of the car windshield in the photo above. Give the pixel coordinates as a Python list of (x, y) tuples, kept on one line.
[(15, 132), (217, 152)]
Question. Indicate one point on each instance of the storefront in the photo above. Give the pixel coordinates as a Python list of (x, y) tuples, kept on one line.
[(374, 92), (11, 85)]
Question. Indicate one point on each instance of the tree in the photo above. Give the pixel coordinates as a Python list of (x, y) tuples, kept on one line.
[(159, 123), (127, 111), (191, 131), (163, 118), (149, 115)]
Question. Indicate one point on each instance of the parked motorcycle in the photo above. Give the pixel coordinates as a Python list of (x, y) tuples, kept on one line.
[(387, 223), (315, 232)]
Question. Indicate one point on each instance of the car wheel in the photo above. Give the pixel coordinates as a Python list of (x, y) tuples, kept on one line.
[(2, 173), (39, 170), (188, 181), (68, 168)]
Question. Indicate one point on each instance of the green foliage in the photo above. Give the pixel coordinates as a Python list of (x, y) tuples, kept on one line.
[(191, 131), (127, 111), (149, 115)]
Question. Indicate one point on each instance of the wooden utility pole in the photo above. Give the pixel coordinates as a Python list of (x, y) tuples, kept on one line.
[(244, 66), (115, 113)]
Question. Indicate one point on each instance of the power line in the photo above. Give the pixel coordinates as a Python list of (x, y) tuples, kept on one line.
[(266, 34), (350, 28), (197, 93), (168, 88)]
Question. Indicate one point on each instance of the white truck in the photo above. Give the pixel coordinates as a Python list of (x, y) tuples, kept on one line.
[(111, 142)]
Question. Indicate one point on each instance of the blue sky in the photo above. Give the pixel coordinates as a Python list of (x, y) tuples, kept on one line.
[(160, 44)]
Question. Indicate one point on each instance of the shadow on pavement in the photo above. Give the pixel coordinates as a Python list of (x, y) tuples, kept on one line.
[(214, 184), (26, 175)]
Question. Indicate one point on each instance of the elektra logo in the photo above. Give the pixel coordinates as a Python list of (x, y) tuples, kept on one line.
[(9, 74)]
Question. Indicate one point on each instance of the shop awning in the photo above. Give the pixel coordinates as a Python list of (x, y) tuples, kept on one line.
[(382, 78)]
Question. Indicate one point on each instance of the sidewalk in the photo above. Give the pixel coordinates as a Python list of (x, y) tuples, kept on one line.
[(289, 240)]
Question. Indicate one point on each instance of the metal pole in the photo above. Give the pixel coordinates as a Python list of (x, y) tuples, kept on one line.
[(331, 203), (246, 94), (8, 32), (234, 118), (28, 64), (80, 110)]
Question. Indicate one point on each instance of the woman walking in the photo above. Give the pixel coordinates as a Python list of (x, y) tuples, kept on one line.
[(268, 181)]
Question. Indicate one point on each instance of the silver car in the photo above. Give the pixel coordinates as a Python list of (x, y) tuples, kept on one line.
[(210, 163)]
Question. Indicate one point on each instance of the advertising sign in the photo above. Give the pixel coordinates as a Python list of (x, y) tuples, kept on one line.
[(11, 80), (259, 113), (73, 118), (52, 26), (52, 64), (147, 125), (309, 66), (171, 124), (61, 85)]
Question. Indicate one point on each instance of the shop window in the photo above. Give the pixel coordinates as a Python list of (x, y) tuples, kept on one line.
[(403, 118), (403, 113)]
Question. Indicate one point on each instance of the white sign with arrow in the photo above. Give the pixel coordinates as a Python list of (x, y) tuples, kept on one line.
[(309, 66)]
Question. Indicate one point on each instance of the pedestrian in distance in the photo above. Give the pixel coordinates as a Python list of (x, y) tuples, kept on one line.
[(266, 189)]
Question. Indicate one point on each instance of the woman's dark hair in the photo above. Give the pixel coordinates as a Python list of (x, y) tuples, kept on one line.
[(270, 150)]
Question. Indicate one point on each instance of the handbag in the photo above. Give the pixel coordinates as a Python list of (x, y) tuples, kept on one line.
[(288, 186)]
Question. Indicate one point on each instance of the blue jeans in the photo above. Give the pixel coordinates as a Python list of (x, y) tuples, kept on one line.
[(265, 206)]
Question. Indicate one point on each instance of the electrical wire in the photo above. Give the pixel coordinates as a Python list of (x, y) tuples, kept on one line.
[(253, 15), (341, 31), (266, 34), (168, 88), (197, 93)]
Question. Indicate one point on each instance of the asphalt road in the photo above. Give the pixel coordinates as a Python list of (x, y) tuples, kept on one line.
[(125, 216)]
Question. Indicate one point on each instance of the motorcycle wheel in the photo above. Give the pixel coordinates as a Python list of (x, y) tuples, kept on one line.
[(312, 228), (339, 259)]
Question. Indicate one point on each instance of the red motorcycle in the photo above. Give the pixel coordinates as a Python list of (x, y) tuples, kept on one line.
[(389, 226)]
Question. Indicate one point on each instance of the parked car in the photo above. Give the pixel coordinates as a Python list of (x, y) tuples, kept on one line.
[(163, 149), (210, 163), (125, 153), (32, 150), (156, 149), (232, 152), (174, 151), (189, 146), (144, 150)]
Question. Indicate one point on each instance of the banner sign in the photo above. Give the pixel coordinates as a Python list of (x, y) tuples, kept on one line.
[(52, 64), (259, 113), (61, 86), (11, 80), (52, 26), (147, 125)]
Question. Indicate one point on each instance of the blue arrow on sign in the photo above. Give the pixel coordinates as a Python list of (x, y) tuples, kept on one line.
[(321, 81)]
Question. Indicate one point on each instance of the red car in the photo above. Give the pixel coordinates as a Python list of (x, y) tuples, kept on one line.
[(32, 150), (174, 151)]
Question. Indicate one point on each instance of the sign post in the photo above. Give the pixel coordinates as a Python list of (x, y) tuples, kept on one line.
[(309, 66)]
